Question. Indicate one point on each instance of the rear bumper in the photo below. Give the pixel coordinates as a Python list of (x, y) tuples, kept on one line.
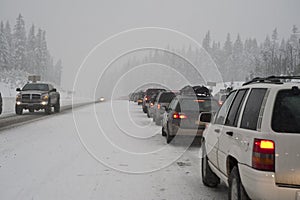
[(186, 131), (261, 185)]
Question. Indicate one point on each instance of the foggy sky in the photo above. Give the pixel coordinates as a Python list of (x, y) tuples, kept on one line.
[(75, 27)]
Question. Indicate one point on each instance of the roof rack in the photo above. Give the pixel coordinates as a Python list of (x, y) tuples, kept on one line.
[(271, 79)]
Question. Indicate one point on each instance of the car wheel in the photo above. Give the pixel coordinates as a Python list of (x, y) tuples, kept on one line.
[(209, 178), (31, 110), (144, 109), (19, 110), (57, 107), (169, 138), (48, 109), (148, 114), (163, 133), (236, 190)]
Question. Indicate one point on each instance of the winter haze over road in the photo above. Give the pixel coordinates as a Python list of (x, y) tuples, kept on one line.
[(75, 27)]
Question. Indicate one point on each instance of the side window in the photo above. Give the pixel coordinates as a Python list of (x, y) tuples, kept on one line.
[(50, 87), (252, 108), (235, 108), (220, 117)]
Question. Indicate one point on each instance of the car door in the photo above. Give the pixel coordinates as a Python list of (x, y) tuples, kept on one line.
[(214, 129), (229, 136)]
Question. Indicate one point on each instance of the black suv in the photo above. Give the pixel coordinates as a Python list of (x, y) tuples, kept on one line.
[(182, 115), (37, 96)]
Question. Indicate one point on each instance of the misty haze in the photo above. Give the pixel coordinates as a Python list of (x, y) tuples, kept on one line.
[(149, 99)]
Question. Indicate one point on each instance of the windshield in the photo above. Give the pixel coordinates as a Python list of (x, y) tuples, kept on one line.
[(286, 113), (31, 86)]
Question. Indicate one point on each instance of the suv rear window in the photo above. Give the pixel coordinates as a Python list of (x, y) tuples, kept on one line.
[(166, 97), (286, 113), (204, 105), (149, 92)]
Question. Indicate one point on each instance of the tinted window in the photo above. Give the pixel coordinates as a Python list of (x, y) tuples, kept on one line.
[(252, 108), (235, 108), (286, 113), (220, 117), (166, 97), (203, 105)]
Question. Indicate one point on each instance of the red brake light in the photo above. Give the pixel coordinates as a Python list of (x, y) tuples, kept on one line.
[(263, 157), (151, 104), (199, 100), (179, 116)]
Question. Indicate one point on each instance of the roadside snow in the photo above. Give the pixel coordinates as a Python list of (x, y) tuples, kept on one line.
[(46, 159)]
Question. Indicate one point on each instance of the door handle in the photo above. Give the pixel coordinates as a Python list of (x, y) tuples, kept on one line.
[(230, 133), (217, 130)]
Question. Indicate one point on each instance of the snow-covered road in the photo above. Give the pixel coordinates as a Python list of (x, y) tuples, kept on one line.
[(115, 152)]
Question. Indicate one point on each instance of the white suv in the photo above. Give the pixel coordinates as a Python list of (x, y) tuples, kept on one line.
[(253, 141)]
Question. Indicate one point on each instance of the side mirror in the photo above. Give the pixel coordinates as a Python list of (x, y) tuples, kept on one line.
[(54, 90), (205, 117), (18, 90)]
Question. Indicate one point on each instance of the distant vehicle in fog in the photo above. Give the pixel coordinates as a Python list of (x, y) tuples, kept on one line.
[(162, 101), (149, 92), (37, 96)]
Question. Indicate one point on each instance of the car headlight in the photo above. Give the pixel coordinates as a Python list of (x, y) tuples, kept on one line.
[(45, 97), (18, 97)]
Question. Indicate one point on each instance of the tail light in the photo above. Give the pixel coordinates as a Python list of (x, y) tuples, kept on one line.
[(220, 103), (151, 104), (158, 106), (179, 116), (263, 157)]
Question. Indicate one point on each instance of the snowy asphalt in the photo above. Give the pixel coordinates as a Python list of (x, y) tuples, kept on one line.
[(109, 150)]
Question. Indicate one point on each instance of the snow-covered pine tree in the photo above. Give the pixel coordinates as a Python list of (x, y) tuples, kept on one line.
[(19, 43), (4, 49), (30, 48), (206, 42)]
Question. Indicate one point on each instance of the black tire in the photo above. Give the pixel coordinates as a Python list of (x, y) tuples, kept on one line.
[(144, 109), (31, 110), (57, 107), (209, 178), (19, 110), (236, 190), (0, 109), (169, 138), (163, 132), (148, 115), (48, 109)]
